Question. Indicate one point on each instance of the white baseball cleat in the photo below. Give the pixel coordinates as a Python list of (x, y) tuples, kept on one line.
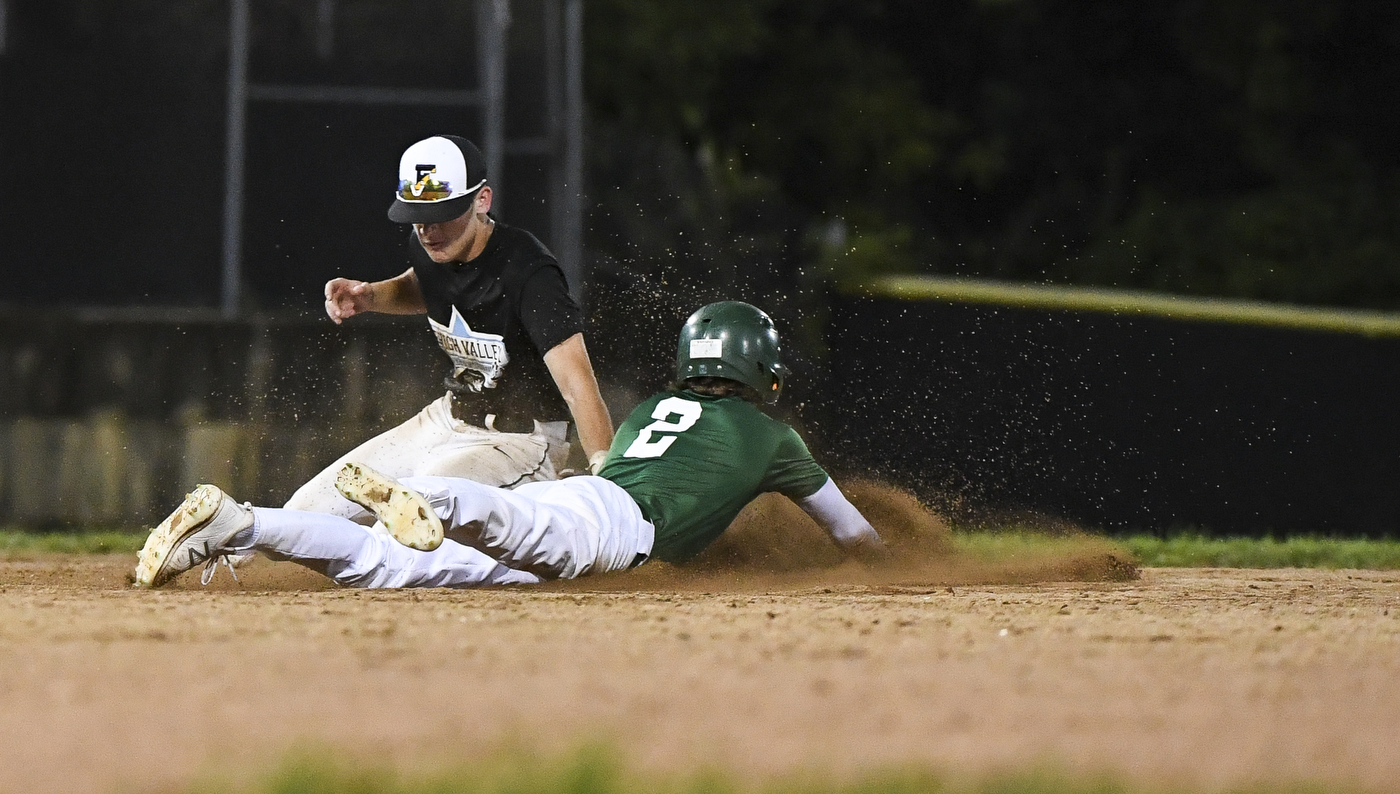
[(402, 510), (197, 532)]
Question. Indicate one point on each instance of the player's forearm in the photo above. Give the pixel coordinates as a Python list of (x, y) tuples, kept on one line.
[(591, 417), (572, 370), (595, 430), (398, 295), (834, 512)]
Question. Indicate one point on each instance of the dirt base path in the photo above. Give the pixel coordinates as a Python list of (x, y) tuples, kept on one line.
[(1193, 677)]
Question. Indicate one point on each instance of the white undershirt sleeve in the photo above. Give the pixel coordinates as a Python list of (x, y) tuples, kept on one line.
[(830, 508)]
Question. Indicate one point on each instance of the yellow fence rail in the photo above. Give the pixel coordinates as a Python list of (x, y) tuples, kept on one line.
[(1133, 303)]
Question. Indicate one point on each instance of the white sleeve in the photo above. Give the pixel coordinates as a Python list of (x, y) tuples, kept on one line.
[(830, 508)]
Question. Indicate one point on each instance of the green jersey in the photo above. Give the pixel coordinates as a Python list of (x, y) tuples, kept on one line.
[(691, 462)]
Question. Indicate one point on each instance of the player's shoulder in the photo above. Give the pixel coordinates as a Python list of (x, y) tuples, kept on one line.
[(762, 431), (774, 426), (522, 244), (526, 262)]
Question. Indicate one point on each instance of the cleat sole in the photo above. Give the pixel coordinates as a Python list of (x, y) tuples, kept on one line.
[(403, 511)]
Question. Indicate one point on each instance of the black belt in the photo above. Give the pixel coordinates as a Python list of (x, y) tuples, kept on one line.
[(503, 423)]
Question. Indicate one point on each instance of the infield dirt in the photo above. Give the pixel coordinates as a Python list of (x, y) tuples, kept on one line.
[(760, 664)]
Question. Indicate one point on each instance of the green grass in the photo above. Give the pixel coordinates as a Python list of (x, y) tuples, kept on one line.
[(1194, 551), (598, 770), (20, 543), (1012, 544), (1177, 551), (1187, 550)]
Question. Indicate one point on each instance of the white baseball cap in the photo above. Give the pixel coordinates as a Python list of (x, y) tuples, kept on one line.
[(438, 180)]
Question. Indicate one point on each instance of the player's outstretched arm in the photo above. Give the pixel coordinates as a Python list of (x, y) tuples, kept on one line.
[(834, 512), (398, 295), (572, 370)]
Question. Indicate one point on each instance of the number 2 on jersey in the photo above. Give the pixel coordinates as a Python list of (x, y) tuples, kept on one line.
[(647, 447)]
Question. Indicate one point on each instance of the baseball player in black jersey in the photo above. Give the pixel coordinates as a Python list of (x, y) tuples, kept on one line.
[(499, 306)]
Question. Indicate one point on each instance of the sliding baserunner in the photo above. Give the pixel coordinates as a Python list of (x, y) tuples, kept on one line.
[(680, 469)]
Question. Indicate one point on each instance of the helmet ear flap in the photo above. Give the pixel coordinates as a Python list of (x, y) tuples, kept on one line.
[(777, 375)]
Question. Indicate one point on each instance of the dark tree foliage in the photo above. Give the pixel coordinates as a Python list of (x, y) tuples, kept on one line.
[(740, 148), (1239, 148)]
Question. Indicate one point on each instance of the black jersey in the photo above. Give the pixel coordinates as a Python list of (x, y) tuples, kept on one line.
[(495, 317)]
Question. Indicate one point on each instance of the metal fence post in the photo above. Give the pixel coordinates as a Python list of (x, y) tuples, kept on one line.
[(234, 154), (493, 17)]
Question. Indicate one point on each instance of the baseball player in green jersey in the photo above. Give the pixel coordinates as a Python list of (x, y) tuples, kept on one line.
[(680, 468)]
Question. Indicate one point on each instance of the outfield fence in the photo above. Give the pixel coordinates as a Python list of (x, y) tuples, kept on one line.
[(1112, 410), (1119, 410), (109, 416)]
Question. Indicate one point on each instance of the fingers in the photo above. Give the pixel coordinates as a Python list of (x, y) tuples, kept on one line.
[(596, 461), (345, 298)]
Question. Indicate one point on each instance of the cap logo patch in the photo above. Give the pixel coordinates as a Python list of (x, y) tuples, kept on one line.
[(706, 348), (426, 188)]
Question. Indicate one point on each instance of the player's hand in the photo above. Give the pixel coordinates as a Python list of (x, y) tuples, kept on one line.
[(596, 461), (347, 298)]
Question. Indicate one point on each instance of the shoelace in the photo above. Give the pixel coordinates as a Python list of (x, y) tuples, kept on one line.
[(207, 575), (221, 556)]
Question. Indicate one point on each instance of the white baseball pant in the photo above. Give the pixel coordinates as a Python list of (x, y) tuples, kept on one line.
[(545, 530), (434, 442)]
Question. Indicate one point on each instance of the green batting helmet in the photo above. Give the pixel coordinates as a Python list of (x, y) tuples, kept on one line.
[(733, 340)]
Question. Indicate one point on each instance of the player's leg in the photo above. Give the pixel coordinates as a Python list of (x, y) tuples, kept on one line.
[(395, 450), (504, 460), (433, 442), (356, 556), (209, 526), (559, 529)]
